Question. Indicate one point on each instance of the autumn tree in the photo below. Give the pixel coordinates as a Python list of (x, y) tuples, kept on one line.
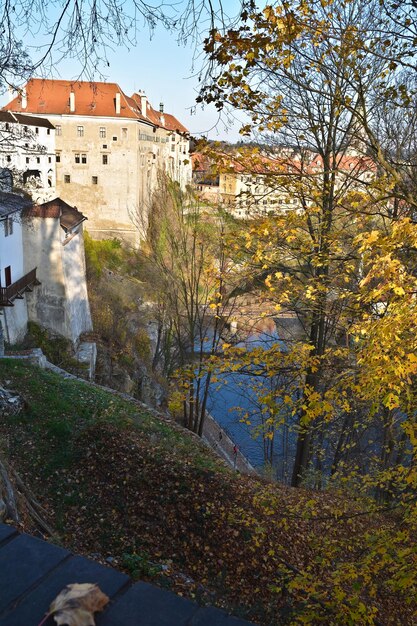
[(191, 275), (308, 75)]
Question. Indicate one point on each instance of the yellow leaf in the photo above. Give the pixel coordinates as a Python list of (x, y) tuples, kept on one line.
[(76, 604)]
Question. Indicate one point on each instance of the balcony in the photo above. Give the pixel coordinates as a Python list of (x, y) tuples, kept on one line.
[(16, 290)]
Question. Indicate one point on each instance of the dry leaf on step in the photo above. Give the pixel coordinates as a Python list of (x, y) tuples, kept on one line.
[(76, 604)]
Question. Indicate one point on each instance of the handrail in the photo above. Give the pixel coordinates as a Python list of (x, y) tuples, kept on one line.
[(16, 289)]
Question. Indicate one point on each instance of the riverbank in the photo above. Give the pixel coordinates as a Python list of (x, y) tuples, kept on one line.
[(220, 442)]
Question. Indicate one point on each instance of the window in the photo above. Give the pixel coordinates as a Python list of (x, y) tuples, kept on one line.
[(172, 147), (58, 157), (8, 227), (94, 180), (8, 158), (80, 158), (38, 159), (104, 146), (124, 133), (102, 132), (105, 159), (48, 131), (58, 130), (25, 129), (7, 126), (27, 159), (115, 138), (36, 130), (80, 131), (67, 178), (49, 159)]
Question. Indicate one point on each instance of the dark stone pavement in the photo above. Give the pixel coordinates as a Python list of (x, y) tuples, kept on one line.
[(33, 572)]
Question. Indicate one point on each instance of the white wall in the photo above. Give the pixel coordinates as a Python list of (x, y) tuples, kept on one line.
[(11, 250), (15, 318), (60, 303)]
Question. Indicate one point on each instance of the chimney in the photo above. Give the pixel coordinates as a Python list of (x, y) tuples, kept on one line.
[(143, 103), (161, 113), (72, 102), (117, 103), (161, 107), (24, 98)]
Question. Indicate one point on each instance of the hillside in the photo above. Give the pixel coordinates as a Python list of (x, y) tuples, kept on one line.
[(125, 487)]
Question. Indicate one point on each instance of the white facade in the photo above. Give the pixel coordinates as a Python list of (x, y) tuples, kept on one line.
[(15, 318), (27, 151), (60, 303), (42, 243)]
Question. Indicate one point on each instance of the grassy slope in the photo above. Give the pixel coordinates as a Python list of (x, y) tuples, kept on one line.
[(118, 482)]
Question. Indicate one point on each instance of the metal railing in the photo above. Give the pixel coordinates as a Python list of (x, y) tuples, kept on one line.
[(17, 289)]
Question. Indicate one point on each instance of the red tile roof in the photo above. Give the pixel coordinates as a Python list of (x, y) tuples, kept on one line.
[(53, 96), (164, 120), (201, 162), (91, 98)]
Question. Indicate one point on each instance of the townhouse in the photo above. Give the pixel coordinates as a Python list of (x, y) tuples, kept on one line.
[(253, 185)]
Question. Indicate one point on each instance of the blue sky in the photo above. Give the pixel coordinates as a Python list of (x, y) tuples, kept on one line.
[(163, 69)]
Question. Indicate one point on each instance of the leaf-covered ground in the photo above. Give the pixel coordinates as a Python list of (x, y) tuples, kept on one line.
[(125, 487)]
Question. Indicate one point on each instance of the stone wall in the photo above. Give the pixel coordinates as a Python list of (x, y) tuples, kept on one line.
[(60, 303), (15, 321), (77, 307)]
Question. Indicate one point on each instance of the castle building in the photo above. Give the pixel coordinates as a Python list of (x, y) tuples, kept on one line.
[(109, 150)]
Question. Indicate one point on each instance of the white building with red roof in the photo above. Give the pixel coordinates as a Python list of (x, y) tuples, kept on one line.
[(109, 149), (27, 155)]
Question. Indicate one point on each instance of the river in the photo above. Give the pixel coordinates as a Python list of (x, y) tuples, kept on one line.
[(234, 395)]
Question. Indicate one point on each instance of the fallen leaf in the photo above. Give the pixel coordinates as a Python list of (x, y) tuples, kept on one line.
[(76, 604)]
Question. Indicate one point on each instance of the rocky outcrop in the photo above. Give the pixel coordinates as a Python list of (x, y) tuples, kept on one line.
[(130, 376)]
